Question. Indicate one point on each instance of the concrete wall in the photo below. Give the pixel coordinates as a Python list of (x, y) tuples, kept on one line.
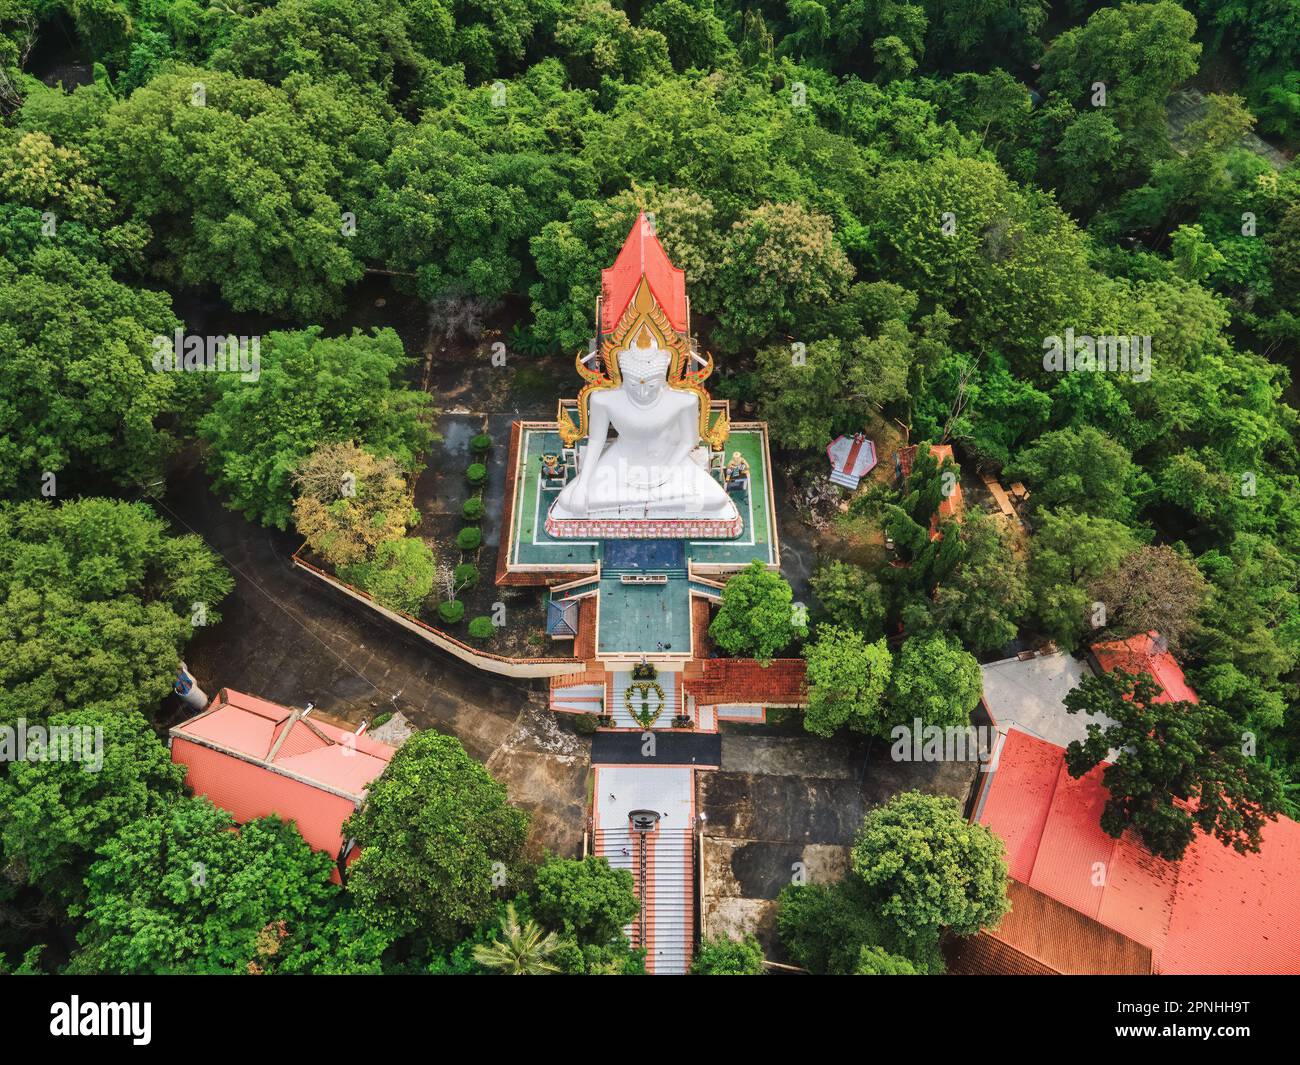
[(523, 668)]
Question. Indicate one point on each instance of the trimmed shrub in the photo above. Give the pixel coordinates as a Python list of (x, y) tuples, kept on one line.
[(481, 627), (476, 474), (451, 611), (465, 575), (469, 538), (472, 509), (400, 577), (481, 443)]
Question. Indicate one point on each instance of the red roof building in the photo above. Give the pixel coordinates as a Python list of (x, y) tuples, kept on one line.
[(1043, 937), (952, 505), (643, 256), (1147, 653), (256, 758), (1215, 911)]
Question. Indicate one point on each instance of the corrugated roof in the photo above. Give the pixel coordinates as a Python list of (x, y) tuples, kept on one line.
[(1146, 653), (279, 738), (642, 256), (1043, 936), (1216, 911)]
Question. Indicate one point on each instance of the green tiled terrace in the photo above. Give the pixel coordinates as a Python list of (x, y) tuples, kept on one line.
[(531, 545), (637, 618)]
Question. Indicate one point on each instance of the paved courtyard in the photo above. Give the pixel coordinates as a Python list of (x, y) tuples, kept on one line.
[(785, 804)]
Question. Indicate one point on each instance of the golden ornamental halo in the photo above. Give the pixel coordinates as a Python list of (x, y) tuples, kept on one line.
[(644, 325)]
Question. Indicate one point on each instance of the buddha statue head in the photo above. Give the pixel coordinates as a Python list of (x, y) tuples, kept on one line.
[(643, 365)]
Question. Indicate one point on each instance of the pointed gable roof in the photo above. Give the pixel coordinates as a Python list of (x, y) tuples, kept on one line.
[(280, 739), (1147, 653), (642, 257)]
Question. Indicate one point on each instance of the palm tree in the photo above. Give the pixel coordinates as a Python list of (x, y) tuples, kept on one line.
[(520, 950)]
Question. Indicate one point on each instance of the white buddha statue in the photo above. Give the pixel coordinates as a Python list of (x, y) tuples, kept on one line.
[(652, 470)]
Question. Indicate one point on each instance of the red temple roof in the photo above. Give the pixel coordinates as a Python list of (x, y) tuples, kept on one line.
[(255, 758), (952, 505), (1146, 653), (1041, 936), (642, 256), (1216, 911)]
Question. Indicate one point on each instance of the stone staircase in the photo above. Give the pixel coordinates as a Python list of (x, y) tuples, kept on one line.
[(579, 698), (580, 692), (619, 683), (662, 865)]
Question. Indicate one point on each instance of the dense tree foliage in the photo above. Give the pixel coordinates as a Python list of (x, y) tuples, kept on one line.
[(179, 892), (55, 814), (847, 679), (1181, 766), (917, 868), (310, 390), (79, 390), (97, 601), (757, 616), (935, 680), (931, 868), (723, 956), (569, 921), (888, 214), (350, 502), (437, 840)]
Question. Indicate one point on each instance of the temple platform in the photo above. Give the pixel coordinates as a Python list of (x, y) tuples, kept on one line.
[(533, 554)]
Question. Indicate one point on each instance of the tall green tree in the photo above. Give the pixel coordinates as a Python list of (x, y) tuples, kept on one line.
[(521, 949), (180, 891), (437, 839), (1181, 767), (930, 868), (311, 390), (245, 185), (757, 615), (778, 264), (1080, 469), (847, 680), (81, 398), (1068, 553), (935, 680), (55, 814), (985, 596), (97, 601), (585, 899)]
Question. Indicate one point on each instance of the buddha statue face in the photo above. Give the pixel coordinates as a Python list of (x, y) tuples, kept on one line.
[(644, 392), (644, 368)]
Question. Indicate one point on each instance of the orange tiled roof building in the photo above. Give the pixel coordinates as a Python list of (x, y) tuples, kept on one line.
[(256, 758)]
